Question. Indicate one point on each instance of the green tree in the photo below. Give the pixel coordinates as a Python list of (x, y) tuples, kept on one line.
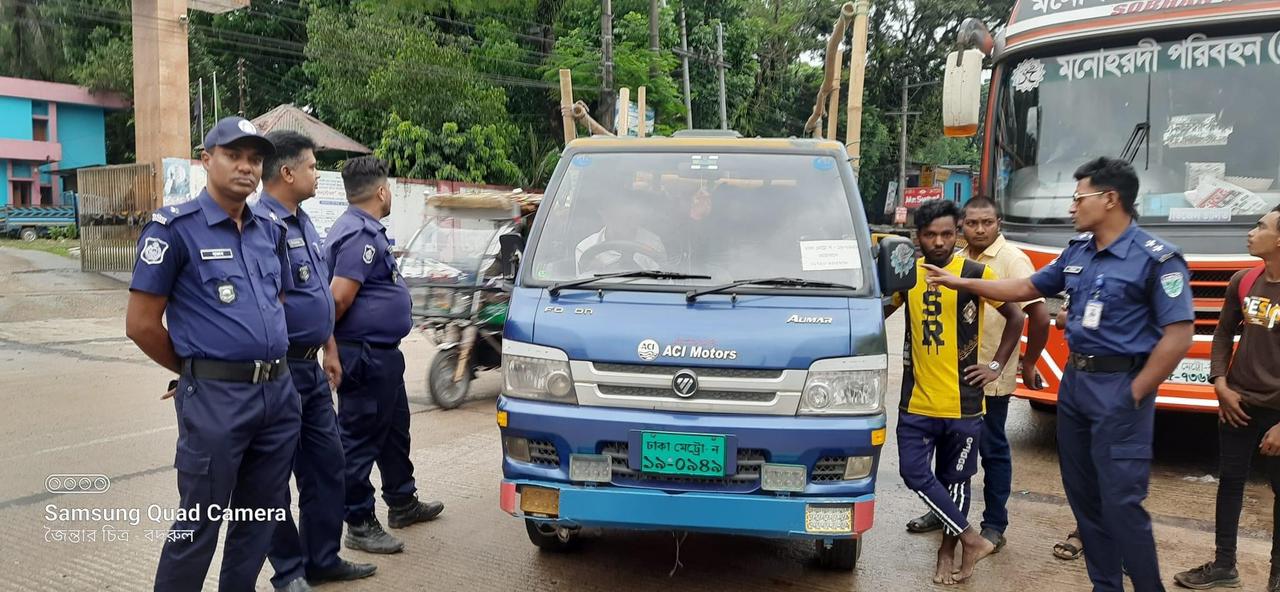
[(478, 154)]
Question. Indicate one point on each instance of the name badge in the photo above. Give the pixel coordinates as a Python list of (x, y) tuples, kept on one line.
[(295, 243), (216, 254), (1073, 269), (1092, 314)]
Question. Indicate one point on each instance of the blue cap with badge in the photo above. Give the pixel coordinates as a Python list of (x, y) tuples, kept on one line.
[(233, 129)]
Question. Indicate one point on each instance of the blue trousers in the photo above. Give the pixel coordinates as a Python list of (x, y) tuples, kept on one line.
[(236, 443), (312, 544), (1104, 448), (373, 416), (997, 465), (955, 444)]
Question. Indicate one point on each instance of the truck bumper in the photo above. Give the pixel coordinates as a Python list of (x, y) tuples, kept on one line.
[(645, 509)]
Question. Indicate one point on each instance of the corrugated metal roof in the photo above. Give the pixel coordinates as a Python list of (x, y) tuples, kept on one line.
[(289, 117)]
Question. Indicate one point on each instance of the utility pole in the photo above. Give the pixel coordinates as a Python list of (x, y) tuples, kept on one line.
[(240, 75), (653, 41), (907, 85), (606, 49), (684, 71), (200, 111), (724, 117), (215, 95)]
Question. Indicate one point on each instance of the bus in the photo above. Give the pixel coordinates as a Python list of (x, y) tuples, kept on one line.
[(1184, 89)]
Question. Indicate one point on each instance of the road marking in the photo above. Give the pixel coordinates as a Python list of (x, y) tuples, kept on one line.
[(107, 440)]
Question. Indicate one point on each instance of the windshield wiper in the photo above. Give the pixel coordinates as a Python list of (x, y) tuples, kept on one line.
[(555, 289), (775, 281)]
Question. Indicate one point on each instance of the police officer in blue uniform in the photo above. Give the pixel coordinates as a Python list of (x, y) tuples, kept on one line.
[(289, 177), (216, 268), (1128, 326), (373, 310)]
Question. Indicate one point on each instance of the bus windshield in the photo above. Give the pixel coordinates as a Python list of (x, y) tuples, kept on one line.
[(728, 217), (1197, 114)]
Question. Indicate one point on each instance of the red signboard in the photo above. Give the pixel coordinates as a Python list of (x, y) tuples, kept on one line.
[(914, 196)]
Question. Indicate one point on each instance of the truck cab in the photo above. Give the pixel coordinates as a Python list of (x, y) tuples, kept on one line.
[(695, 343)]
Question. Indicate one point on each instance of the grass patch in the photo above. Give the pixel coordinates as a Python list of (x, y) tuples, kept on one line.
[(57, 247)]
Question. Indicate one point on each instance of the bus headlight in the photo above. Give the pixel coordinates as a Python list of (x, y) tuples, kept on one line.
[(536, 372), (845, 386)]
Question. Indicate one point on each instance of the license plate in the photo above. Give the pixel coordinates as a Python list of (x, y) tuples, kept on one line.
[(1191, 371), (697, 455)]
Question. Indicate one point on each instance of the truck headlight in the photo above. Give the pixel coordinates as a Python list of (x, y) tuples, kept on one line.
[(536, 372), (845, 386)]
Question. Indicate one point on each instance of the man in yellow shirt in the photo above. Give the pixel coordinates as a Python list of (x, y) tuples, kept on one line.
[(940, 415)]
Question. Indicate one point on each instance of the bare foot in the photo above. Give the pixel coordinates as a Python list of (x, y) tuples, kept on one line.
[(974, 548), (946, 561)]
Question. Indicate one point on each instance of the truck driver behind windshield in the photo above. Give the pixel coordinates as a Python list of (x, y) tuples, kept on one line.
[(621, 244)]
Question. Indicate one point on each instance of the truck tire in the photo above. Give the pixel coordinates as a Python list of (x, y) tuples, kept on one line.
[(550, 539), (29, 233), (842, 555), (444, 391)]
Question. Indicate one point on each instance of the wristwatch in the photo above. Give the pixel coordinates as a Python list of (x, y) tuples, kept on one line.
[(994, 366)]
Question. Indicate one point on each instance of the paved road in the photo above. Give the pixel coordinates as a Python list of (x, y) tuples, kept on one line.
[(78, 397)]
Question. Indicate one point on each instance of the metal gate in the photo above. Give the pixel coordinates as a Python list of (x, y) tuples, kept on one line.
[(115, 203)]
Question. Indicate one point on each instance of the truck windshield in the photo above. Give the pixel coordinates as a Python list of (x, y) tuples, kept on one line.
[(1211, 154), (723, 216)]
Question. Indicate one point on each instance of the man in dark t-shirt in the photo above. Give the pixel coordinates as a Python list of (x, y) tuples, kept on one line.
[(1248, 387)]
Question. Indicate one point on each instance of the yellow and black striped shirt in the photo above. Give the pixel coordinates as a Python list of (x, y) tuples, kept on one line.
[(944, 328)]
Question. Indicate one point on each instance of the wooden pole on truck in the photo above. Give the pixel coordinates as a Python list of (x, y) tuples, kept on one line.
[(829, 82), (566, 100), (624, 112), (857, 69), (642, 124), (833, 104)]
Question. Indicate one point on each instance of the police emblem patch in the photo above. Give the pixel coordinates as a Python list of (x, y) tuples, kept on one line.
[(970, 313), (247, 127), (304, 273), (153, 250), (368, 254), (902, 259), (1172, 283), (226, 293)]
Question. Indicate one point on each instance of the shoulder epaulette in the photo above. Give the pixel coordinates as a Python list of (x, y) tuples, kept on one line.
[(1156, 248), (168, 214)]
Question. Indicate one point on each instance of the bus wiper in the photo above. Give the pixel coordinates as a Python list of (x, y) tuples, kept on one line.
[(1141, 132), (555, 289), (775, 281)]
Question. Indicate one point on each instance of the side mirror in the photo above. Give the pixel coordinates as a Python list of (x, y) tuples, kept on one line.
[(511, 245), (962, 93), (896, 265)]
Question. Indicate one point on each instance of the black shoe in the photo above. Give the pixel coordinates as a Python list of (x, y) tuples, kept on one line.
[(297, 585), (345, 571), (1208, 576), (413, 513), (996, 537), (927, 523), (370, 537)]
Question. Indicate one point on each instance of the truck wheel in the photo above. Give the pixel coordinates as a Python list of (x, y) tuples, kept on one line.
[(444, 391), (841, 555), (29, 234), (546, 537), (1044, 407)]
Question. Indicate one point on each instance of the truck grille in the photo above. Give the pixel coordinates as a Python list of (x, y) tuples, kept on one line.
[(1209, 288), (702, 395), (543, 452), (829, 468), (750, 463), (702, 372)]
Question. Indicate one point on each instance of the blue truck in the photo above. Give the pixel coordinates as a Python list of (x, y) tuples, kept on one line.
[(32, 222), (695, 342)]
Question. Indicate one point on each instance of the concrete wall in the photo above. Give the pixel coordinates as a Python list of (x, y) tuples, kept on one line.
[(15, 118), (4, 183), (82, 133)]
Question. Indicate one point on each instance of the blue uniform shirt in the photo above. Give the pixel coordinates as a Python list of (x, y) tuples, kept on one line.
[(358, 249), (308, 307), (223, 284), (1141, 282)]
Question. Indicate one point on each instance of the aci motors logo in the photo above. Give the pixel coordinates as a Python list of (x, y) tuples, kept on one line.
[(77, 483), (650, 350)]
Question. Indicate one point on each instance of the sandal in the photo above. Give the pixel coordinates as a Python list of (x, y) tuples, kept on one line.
[(927, 523), (1068, 551)]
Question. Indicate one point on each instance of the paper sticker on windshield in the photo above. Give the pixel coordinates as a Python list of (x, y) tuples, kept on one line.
[(1200, 215), (824, 163), (828, 255), (1028, 75), (582, 160), (1196, 131)]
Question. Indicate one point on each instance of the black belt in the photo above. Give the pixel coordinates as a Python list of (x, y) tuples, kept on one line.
[(255, 372), (369, 343), (302, 352), (1085, 363)]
